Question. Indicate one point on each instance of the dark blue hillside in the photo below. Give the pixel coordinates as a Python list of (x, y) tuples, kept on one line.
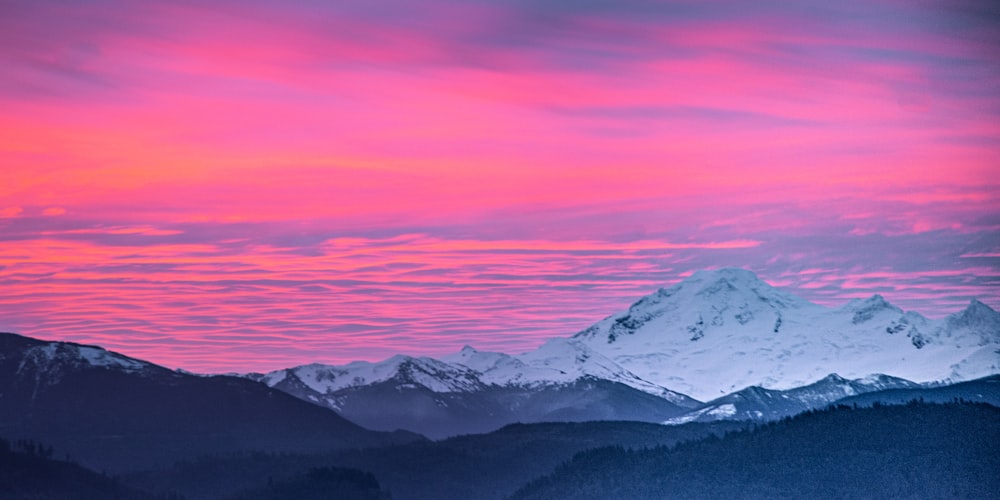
[(129, 415), (905, 451)]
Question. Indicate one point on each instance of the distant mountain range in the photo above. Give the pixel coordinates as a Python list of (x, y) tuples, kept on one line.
[(720, 345), (749, 350), (480, 392)]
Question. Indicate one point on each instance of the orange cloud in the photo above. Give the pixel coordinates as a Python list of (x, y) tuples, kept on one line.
[(10, 212)]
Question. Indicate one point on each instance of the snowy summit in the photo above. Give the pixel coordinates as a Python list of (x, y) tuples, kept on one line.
[(720, 331)]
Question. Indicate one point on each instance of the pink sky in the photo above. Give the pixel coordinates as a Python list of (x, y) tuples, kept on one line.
[(254, 185)]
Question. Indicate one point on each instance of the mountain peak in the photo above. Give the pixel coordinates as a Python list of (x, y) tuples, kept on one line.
[(719, 299), (727, 279), (978, 313), (867, 309), (876, 301), (978, 319), (733, 286), (979, 307), (832, 378)]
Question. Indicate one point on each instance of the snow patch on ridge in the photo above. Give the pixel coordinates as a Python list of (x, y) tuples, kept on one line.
[(722, 411), (435, 375), (75, 355)]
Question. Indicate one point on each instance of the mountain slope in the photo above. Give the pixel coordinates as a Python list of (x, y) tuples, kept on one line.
[(720, 331), (983, 390), (113, 412)]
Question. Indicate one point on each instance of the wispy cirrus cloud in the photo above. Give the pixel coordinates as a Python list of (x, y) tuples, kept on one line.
[(229, 185), (266, 301)]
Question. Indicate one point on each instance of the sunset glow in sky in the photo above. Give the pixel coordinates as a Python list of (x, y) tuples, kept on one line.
[(251, 185)]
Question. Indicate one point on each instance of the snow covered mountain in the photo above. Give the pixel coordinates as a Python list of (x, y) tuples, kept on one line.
[(709, 336), (558, 361), (720, 331), (436, 376), (472, 391)]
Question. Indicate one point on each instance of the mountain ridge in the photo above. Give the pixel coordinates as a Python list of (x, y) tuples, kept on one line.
[(113, 412), (758, 404)]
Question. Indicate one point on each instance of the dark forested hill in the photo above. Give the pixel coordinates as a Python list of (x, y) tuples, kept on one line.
[(320, 483), (117, 413), (28, 471), (486, 466), (908, 451)]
